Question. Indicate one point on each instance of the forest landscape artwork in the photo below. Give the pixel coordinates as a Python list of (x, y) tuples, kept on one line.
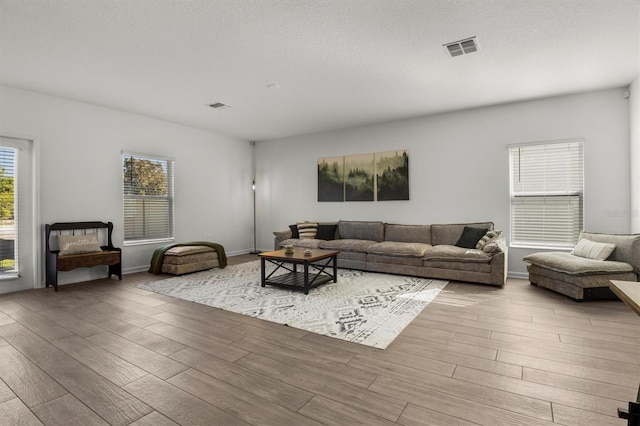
[(381, 176), (392, 175), (358, 180)]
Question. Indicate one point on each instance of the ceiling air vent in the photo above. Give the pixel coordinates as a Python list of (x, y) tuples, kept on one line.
[(219, 105), (462, 47)]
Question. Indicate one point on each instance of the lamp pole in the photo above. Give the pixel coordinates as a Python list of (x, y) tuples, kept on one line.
[(253, 188)]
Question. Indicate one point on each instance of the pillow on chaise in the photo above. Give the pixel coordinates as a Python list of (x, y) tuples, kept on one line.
[(294, 231), (592, 250), (470, 237)]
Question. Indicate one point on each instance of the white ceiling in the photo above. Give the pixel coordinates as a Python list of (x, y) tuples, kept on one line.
[(339, 63)]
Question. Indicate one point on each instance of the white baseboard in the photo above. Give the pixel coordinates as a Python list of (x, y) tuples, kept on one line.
[(135, 269), (519, 275)]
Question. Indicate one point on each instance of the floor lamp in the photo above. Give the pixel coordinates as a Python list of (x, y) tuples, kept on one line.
[(253, 188)]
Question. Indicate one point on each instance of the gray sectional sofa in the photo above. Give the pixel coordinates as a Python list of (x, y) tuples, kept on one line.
[(416, 250), (582, 277)]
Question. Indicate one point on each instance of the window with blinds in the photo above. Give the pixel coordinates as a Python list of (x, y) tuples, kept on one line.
[(547, 191), (8, 210), (148, 198)]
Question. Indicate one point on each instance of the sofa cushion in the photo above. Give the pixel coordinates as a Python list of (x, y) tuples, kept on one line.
[(407, 233), (592, 250), (398, 249), (627, 247), (346, 245), (456, 254), (450, 233), (294, 231), (470, 237), (361, 230), (394, 260), (459, 266), (575, 265), (302, 242)]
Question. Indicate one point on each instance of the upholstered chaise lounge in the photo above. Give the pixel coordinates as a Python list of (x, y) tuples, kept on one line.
[(583, 275)]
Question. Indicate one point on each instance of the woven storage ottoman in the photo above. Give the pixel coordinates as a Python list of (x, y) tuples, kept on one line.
[(185, 259)]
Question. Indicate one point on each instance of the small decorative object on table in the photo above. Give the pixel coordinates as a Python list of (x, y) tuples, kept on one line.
[(307, 252), (288, 249)]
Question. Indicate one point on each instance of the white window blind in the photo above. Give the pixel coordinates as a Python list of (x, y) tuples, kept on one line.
[(8, 211), (148, 198), (546, 194)]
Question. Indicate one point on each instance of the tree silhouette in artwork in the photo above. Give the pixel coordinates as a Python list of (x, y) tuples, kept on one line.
[(359, 185), (330, 182), (393, 182)]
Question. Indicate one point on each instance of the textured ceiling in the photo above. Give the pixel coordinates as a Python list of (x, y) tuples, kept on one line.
[(339, 63)]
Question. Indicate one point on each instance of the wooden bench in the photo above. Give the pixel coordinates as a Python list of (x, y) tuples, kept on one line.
[(54, 262)]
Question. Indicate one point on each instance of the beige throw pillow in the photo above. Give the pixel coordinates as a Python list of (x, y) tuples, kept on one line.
[(307, 230), (74, 244), (489, 237), (592, 250)]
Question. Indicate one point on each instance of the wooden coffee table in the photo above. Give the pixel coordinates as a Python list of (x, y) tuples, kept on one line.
[(321, 262)]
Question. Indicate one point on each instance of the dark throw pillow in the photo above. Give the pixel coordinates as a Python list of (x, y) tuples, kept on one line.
[(326, 232), (294, 231), (470, 237)]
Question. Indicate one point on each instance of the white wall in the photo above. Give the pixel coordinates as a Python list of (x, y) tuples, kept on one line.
[(81, 177), (634, 114), (458, 165)]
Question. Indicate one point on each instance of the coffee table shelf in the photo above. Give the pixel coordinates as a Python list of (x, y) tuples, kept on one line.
[(317, 268)]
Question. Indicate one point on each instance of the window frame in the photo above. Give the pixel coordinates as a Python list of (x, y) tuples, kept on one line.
[(170, 197), (550, 194)]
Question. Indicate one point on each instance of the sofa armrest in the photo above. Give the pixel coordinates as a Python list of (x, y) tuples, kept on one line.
[(282, 235), (499, 268)]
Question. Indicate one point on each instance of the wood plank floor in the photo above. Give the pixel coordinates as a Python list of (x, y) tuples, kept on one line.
[(105, 352)]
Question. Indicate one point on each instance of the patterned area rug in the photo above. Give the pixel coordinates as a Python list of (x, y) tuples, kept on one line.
[(362, 307)]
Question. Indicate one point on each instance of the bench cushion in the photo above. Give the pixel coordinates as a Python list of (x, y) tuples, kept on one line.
[(575, 265), (188, 250)]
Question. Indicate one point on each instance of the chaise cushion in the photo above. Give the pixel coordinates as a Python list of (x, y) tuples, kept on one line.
[(393, 248), (575, 265)]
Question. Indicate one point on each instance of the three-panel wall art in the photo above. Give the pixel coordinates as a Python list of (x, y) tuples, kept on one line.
[(379, 176)]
